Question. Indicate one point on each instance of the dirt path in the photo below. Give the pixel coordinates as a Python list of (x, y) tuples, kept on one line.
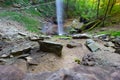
[(51, 62)]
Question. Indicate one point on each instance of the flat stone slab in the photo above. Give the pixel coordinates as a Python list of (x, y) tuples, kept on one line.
[(20, 50), (92, 45), (51, 47)]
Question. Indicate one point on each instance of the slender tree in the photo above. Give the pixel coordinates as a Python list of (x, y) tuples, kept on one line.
[(106, 12), (98, 8), (112, 5)]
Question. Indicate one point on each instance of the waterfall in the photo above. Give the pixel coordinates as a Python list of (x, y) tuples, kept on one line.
[(59, 11)]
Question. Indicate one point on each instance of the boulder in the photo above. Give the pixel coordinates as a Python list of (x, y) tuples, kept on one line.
[(51, 47), (78, 73), (10, 73)]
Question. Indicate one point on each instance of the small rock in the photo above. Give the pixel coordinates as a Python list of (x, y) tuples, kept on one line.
[(73, 44), (31, 61), (22, 34), (46, 37), (89, 60), (103, 29), (53, 47), (109, 44), (16, 5), (4, 56), (116, 41), (36, 38), (81, 36), (104, 37), (92, 45)]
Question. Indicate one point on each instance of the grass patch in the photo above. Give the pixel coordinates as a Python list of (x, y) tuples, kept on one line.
[(33, 12), (29, 23), (112, 33)]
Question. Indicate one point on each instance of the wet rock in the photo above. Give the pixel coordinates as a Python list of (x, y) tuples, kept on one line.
[(74, 44), (52, 47), (81, 36), (89, 60), (92, 45), (10, 73)]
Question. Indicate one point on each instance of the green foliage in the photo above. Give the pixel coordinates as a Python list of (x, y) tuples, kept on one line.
[(32, 12), (30, 23), (84, 8), (77, 60), (111, 32), (30, 15), (10, 2), (88, 8)]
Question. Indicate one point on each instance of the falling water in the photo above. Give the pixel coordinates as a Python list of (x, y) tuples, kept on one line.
[(59, 11)]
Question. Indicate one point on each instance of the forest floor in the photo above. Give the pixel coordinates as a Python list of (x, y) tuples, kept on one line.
[(49, 61)]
